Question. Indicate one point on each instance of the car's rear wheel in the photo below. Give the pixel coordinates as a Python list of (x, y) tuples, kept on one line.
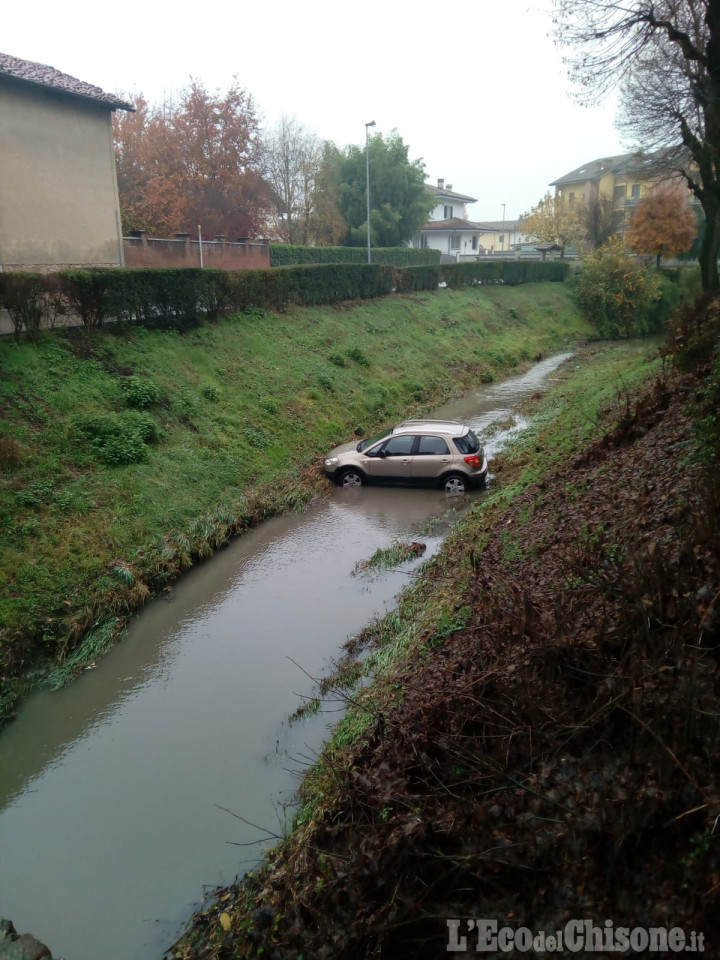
[(454, 483), (351, 478)]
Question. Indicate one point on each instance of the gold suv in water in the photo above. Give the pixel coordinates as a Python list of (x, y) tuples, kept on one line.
[(440, 453)]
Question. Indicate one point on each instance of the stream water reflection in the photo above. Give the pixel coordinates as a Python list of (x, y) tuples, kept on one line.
[(111, 790)]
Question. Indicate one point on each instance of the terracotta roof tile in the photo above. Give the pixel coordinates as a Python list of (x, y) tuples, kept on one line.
[(45, 76)]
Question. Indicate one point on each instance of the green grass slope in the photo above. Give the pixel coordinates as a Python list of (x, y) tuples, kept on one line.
[(129, 455)]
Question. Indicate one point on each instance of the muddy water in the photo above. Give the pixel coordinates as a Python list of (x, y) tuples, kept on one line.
[(117, 794)]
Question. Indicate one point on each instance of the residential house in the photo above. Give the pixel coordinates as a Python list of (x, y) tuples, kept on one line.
[(456, 237), (624, 179), (58, 187), (448, 228)]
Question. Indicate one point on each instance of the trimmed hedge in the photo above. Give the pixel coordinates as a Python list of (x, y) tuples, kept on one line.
[(287, 254), (178, 297), (458, 275)]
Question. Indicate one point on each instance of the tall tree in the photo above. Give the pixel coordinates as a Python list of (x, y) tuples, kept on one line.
[(399, 201), (552, 221), (292, 160), (600, 220), (665, 55), (663, 224), (194, 160)]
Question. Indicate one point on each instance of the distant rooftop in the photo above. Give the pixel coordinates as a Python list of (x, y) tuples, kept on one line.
[(447, 192), (44, 76), (623, 164)]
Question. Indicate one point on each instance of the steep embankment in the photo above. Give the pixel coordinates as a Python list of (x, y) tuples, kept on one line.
[(127, 456), (540, 742)]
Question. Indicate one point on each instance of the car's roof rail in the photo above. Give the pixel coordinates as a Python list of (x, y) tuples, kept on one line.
[(412, 423)]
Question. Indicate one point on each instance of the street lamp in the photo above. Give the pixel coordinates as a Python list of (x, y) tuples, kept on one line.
[(367, 175), (503, 228)]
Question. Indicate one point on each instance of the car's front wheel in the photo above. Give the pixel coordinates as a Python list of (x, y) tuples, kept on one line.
[(454, 483), (351, 478)]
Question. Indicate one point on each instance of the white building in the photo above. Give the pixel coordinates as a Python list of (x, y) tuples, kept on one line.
[(449, 230)]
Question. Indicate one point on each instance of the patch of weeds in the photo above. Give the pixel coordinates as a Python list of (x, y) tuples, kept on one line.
[(97, 642), (116, 438), (257, 437), (359, 356), (392, 556), (35, 495), (11, 453), (449, 623), (71, 501), (326, 382), (210, 392), (337, 360), (140, 392)]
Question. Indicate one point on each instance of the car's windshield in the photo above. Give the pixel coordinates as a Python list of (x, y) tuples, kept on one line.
[(467, 444), (364, 444)]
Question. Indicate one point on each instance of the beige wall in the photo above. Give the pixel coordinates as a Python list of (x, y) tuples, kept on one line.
[(58, 186)]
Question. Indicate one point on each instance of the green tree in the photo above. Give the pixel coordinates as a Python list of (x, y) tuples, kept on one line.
[(665, 55), (399, 200), (616, 293), (552, 221)]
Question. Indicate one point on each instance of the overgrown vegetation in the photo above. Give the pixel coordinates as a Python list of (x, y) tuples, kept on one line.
[(539, 741), (129, 454)]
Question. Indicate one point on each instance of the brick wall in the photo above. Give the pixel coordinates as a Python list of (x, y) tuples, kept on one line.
[(143, 251)]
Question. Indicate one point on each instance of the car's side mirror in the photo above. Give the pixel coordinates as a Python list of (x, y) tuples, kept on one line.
[(383, 453)]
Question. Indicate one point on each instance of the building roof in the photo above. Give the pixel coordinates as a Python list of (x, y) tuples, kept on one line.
[(456, 223), (493, 225), (446, 193), (49, 77), (624, 164)]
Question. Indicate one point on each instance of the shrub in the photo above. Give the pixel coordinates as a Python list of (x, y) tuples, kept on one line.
[(140, 392), (116, 438), (615, 293), (25, 296)]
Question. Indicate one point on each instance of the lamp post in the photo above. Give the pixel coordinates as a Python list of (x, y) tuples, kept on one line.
[(503, 228), (367, 176)]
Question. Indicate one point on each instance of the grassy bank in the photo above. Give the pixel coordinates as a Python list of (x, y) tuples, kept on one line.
[(538, 742), (129, 455)]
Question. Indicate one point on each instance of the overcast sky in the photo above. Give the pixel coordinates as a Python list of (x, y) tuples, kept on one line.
[(476, 89)]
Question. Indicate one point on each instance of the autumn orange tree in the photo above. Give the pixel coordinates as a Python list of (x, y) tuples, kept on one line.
[(662, 224), (192, 160)]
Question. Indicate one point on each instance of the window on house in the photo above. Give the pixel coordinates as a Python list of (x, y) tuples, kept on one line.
[(474, 243), (423, 240), (619, 192), (454, 241), (635, 191), (448, 212), (501, 238)]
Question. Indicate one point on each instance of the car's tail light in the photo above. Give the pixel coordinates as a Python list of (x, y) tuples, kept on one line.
[(473, 461)]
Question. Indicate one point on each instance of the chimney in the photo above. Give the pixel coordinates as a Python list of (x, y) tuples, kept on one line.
[(441, 184), (449, 186)]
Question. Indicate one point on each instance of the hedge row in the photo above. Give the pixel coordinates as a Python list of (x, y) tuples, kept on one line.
[(286, 254), (176, 297), (459, 275)]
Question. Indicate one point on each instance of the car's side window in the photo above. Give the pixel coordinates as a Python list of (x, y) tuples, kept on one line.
[(433, 445), (399, 446)]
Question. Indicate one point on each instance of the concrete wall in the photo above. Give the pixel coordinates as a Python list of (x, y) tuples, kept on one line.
[(143, 251), (58, 186)]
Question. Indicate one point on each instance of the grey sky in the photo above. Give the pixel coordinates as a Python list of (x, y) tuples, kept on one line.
[(476, 89)]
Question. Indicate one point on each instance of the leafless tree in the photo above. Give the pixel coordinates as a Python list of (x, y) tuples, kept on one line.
[(664, 55), (292, 159)]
